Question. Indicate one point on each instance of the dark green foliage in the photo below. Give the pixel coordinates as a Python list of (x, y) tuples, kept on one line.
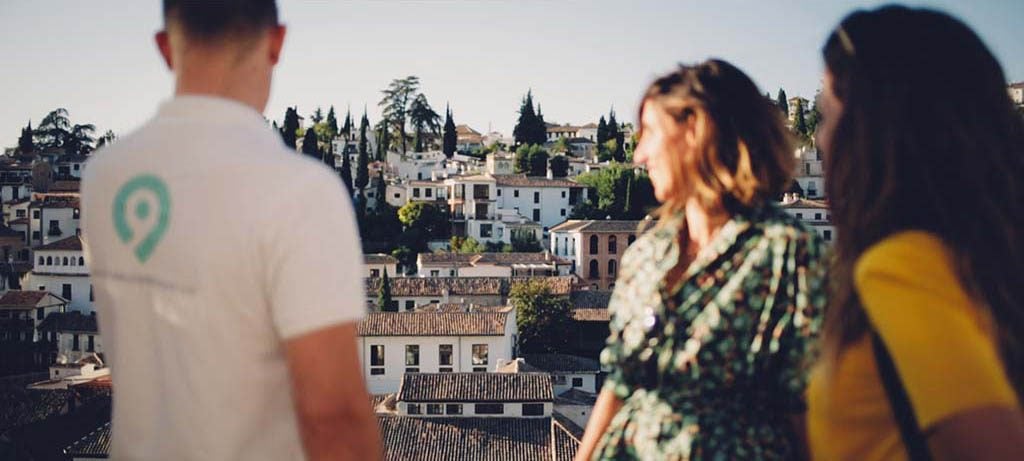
[(57, 131), (346, 130), (291, 126), (450, 141), (332, 124), (532, 160), (382, 191), (615, 192), (526, 244), (559, 166), (424, 120), (363, 160), (431, 220), (310, 145), (530, 128), (25, 143), (406, 258), (602, 131), (466, 245), (384, 293), (800, 122), (346, 172), (782, 102), (317, 116), (542, 318), (395, 104)]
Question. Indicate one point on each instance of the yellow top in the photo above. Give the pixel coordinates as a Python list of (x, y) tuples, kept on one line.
[(941, 344)]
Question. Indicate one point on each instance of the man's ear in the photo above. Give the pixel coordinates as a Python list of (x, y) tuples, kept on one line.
[(277, 34), (163, 43)]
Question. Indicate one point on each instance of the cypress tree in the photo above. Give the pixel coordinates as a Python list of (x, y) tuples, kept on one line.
[(25, 143), (450, 138), (602, 131), (291, 126), (384, 293), (332, 124), (781, 101), (309, 144), (346, 172), (613, 127), (347, 129), (540, 129), (362, 163), (522, 133), (800, 123), (328, 155), (382, 191)]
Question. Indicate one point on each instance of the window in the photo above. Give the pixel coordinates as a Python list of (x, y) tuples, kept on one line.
[(563, 211), (398, 195), (427, 192), (91, 297), (489, 408), (41, 260), (611, 268), (559, 380), (65, 291), (445, 370), (49, 260), (453, 409), (74, 342), (613, 244), (74, 262), (444, 354), (377, 359), (92, 344), (485, 230), (536, 214), (435, 409), (563, 194), (533, 409), (35, 214), (19, 213), (81, 260), (65, 263), (799, 216), (479, 354), (594, 272), (435, 273), (412, 356), (374, 273), (35, 235), (577, 382), (414, 409), (40, 314), (499, 192), (416, 192), (593, 244), (536, 197), (42, 288), (828, 236), (515, 193), (410, 305)]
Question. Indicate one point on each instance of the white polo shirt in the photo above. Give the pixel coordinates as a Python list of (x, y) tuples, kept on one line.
[(209, 245)]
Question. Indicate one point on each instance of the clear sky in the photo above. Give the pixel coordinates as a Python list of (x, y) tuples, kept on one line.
[(97, 58)]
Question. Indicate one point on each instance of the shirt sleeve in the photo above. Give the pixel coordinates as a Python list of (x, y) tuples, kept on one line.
[(939, 341), (315, 260), (800, 324)]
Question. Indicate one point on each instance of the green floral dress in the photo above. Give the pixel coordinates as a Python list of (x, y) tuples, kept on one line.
[(711, 367)]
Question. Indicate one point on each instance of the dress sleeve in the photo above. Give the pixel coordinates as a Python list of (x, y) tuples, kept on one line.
[(798, 327), (939, 341)]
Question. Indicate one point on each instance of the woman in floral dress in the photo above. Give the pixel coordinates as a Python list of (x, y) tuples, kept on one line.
[(717, 307)]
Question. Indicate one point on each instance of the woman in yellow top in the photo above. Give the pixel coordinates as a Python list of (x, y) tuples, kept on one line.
[(924, 162)]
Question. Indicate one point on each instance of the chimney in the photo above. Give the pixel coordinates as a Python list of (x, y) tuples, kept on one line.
[(550, 174)]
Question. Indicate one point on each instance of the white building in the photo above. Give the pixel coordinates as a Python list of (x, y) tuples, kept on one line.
[(15, 182), (426, 191), (500, 163), (69, 166), (814, 213), (410, 293), (376, 264), (468, 139), (475, 395), (53, 217), (22, 312), (810, 174), (392, 344), (445, 264), (72, 336), (1016, 91), (60, 268)]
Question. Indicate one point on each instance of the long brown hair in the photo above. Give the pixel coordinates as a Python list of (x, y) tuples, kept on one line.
[(745, 151), (928, 139)]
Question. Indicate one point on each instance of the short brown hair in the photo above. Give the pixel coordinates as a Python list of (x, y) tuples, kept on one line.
[(746, 153), (210, 20)]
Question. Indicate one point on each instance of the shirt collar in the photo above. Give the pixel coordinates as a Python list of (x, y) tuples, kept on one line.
[(213, 108)]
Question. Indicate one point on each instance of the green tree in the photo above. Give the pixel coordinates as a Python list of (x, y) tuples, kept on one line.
[(559, 166), (423, 120), (25, 143), (609, 188), (425, 217), (800, 123), (395, 103), (542, 317), (450, 137), (382, 191), (531, 159), (346, 172), (782, 102), (384, 293), (332, 124), (813, 116), (317, 116), (363, 160), (291, 127), (602, 131), (310, 145), (561, 146), (527, 243), (106, 139), (53, 130), (383, 139), (346, 129), (406, 258), (466, 245), (530, 128)]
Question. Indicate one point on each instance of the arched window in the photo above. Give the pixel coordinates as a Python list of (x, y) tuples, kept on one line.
[(41, 261), (74, 262), (611, 268), (65, 263), (593, 244), (49, 260), (593, 269), (630, 240), (613, 244), (81, 260)]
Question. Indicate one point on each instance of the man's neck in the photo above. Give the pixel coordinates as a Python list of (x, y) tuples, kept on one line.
[(218, 77)]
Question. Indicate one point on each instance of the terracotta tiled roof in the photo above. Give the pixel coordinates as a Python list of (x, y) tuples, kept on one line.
[(562, 363), (433, 324), (805, 203), (567, 436), (463, 286), (521, 180), (603, 225), (57, 201), (22, 298), (475, 387), (95, 444), (591, 315), (378, 258), (66, 185), (448, 259), (491, 439), (69, 321), (575, 397), (73, 243)]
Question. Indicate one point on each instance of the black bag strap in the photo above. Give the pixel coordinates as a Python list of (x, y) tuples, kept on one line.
[(913, 438)]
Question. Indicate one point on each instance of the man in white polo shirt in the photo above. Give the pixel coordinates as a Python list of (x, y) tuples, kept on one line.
[(227, 269)]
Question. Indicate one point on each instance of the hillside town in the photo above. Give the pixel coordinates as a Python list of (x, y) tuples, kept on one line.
[(489, 257)]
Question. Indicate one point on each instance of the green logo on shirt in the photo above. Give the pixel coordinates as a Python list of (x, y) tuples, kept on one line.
[(142, 194)]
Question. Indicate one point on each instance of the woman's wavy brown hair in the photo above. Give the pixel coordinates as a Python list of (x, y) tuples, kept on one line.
[(928, 140), (746, 153)]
